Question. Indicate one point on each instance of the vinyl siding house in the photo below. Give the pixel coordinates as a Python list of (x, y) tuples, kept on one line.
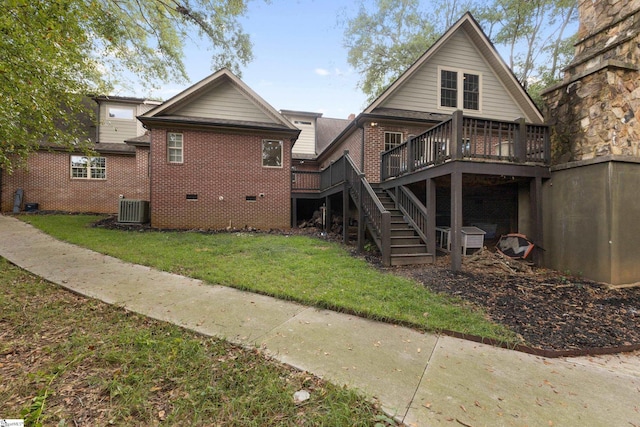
[(454, 142)]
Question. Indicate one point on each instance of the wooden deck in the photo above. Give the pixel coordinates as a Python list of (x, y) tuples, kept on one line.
[(458, 146)]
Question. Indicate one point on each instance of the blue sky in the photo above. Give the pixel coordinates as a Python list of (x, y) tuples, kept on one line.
[(299, 60)]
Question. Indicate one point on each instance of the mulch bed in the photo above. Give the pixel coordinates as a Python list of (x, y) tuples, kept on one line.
[(549, 310)]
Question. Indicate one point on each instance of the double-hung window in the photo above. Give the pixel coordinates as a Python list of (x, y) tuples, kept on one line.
[(175, 148), (392, 140), (84, 167), (271, 153), (459, 89), (448, 89)]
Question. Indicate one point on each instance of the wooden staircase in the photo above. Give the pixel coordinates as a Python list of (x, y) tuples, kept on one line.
[(407, 248)]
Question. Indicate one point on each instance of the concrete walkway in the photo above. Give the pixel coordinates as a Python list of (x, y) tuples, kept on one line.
[(422, 379)]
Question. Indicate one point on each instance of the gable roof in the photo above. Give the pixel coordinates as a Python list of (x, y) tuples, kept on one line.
[(483, 45), (221, 100)]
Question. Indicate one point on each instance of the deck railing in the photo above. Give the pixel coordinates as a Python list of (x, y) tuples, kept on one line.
[(468, 138), (413, 210), (314, 181), (375, 214)]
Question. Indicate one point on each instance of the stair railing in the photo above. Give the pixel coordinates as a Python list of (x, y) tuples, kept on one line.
[(412, 208), (376, 216)]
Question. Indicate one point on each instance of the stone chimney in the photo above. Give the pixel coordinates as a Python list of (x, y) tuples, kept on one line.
[(595, 111)]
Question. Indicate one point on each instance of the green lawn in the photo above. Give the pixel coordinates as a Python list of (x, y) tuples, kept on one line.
[(67, 360), (299, 268)]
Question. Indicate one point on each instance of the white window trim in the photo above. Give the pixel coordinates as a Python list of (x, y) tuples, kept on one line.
[(394, 133), (461, 72), (173, 162), (88, 168), (120, 107), (281, 154)]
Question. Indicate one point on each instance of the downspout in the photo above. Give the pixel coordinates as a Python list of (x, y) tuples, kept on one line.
[(362, 149)]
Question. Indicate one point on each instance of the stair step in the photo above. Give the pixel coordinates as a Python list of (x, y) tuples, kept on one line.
[(412, 259), (401, 232), (405, 240), (408, 249), (398, 222)]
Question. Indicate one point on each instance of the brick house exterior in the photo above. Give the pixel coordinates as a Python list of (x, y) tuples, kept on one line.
[(209, 164), (47, 181), (48, 178), (221, 182), (364, 138)]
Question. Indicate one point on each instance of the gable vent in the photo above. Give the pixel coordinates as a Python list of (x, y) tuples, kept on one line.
[(133, 211)]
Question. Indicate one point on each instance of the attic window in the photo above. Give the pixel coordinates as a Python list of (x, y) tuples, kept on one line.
[(121, 113), (450, 95), (471, 94), (300, 122)]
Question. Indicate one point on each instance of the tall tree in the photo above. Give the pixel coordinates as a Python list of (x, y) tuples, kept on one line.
[(53, 52), (383, 40), (533, 32)]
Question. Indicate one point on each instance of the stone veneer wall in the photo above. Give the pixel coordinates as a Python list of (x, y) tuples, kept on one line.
[(590, 203), (595, 111)]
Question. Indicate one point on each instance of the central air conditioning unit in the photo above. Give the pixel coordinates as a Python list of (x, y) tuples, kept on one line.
[(133, 211)]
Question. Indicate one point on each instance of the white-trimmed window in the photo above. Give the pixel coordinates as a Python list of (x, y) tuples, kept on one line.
[(175, 148), (84, 167), (120, 113), (459, 88), (271, 153), (392, 140)]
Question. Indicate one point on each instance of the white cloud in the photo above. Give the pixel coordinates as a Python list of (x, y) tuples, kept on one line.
[(322, 72)]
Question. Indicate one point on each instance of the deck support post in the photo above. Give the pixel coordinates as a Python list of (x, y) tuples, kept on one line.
[(535, 200), (345, 212), (385, 238), (327, 214), (456, 220), (431, 216), (294, 212), (345, 200), (361, 218)]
